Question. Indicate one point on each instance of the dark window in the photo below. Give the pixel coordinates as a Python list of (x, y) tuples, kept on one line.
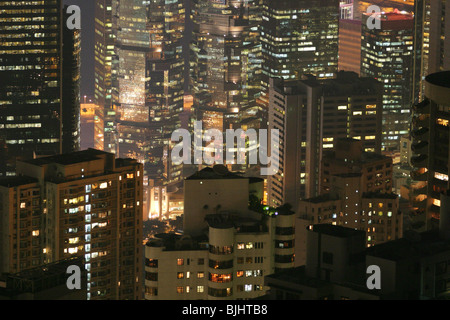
[(327, 257), (151, 276)]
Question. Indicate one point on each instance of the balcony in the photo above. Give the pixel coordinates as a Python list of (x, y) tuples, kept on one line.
[(420, 147), (422, 190), (420, 121), (421, 133), (419, 161), (421, 204), (419, 175), (421, 107)]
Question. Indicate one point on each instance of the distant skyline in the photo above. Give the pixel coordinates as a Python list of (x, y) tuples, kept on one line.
[(87, 45)]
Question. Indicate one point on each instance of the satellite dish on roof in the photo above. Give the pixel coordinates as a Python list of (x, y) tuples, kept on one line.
[(220, 169)]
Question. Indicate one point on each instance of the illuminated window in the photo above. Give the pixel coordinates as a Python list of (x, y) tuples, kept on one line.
[(441, 176), (220, 278), (74, 240), (103, 185), (442, 122), (180, 275), (200, 289), (437, 202), (180, 262)]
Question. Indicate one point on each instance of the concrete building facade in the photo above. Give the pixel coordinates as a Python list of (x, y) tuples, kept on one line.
[(85, 204), (224, 251)]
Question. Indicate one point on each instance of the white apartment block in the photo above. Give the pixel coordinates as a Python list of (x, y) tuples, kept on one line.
[(228, 259)]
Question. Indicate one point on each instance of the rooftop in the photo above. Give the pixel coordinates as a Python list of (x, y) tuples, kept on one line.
[(16, 181), (47, 270), (395, 15), (219, 172), (241, 223), (298, 276), (177, 242), (124, 162), (439, 78), (337, 231), (412, 245), (69, 158)]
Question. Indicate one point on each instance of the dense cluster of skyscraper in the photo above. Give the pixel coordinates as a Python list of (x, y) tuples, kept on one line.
[(345, 87)]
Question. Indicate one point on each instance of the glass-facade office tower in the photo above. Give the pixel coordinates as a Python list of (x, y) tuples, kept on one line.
[(39, 75), (386, 55), (140, 83), (298, 38), (132, 43), (224, 62), (121, 43), (104, 52), (164, 99)]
